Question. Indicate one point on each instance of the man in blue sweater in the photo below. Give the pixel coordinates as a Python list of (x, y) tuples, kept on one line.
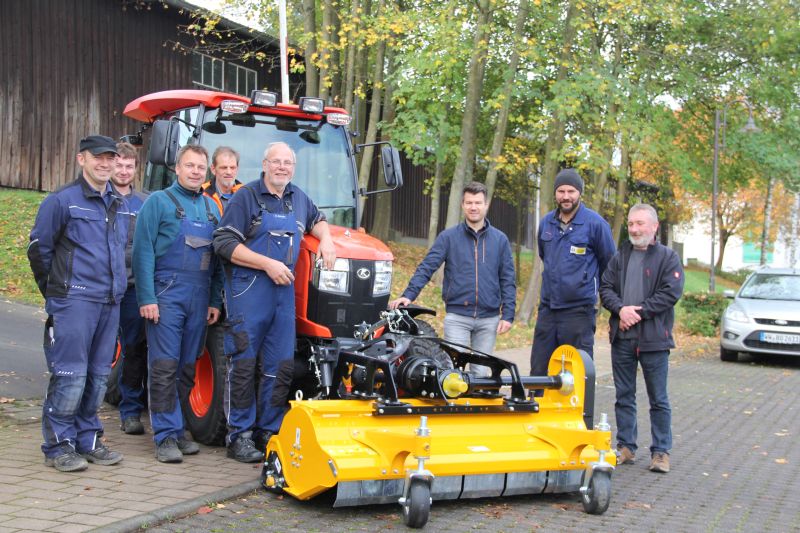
[(479, 287), (575, 245), (77, 255), (178, 288)]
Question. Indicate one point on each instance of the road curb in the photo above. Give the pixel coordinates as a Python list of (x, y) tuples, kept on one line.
[(178, 510)]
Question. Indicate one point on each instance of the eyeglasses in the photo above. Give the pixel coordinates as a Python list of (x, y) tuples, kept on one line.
[(281, 162)]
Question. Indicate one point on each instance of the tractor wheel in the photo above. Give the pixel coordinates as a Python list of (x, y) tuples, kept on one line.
[(597, 498), (417, 506), (113, 395), (728, 355), (424, 347), (203, 409)]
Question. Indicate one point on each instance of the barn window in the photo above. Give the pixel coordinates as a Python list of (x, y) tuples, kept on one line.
[(207, 71), (239, 80)]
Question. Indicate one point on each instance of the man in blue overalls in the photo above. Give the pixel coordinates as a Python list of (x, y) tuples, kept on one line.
[(178, 289), (77, 254), (260, 237), (133, 356)]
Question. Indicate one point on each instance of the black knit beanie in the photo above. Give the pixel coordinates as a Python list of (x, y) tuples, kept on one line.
[(568, 176)]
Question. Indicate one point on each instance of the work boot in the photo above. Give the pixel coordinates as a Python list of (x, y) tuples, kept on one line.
[(261, 439), (132, 426), (102, 456), (188, 447), (660, 462), (244, 450), (625, 456), (168, 452), (67, 462)]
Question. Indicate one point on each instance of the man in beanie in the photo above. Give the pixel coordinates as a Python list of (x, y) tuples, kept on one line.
[(575, 245)]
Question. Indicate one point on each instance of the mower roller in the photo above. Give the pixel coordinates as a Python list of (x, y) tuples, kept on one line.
[(390, 423)]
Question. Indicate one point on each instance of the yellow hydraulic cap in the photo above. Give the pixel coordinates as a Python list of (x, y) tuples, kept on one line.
[(454, 385)]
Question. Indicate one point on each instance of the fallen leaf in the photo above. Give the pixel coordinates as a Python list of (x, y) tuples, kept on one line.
[(637, 505), (204, 510), (726, 474), (219, 505), (781, 461), (3, 399), (747, 412), (781, 434)]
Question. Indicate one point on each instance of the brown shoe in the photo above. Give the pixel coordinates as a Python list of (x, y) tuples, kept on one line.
[(659, 462), (625, 456)]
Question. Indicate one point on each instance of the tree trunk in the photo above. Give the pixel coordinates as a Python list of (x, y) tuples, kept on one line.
[(505, 109), (350, 68), (325, 47), (362, 65), (382, 222), (469, 124), (622, 193), (335, 93), (723, 241), (310, 28), (374, 114), (794, 234), (765, 226)]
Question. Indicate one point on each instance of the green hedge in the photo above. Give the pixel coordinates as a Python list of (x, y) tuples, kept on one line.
[(703, 312)]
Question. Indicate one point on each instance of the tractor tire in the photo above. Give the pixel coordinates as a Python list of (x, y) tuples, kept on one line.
[(425, 347), (203, 409), (113, 395)]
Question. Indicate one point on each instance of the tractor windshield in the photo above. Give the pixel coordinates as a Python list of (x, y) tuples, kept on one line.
[(324, 167)]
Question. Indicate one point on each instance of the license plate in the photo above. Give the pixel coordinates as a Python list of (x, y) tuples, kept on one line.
[(779, 338)]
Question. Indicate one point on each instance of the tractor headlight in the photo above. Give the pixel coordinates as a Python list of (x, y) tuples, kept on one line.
[(383, 278), (335, 280)]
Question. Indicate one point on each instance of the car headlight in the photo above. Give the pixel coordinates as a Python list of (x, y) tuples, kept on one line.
[(736, 314), (335, 280), (383, 278)]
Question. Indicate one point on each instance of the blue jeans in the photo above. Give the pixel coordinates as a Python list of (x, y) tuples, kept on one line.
[(625, 359), (477, 333)]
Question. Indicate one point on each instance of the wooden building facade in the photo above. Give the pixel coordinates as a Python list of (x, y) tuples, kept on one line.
[(68, 68)]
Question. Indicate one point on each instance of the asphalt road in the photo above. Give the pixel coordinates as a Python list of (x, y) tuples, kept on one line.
[(23, 372), (734, 468)]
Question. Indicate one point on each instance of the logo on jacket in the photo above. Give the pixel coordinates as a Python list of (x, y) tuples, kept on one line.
[(577, 250), (363, 273)]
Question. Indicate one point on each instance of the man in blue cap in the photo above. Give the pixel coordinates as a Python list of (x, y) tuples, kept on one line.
[(77, 255), (575, 245)]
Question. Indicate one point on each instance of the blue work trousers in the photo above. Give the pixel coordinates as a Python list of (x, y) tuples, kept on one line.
[(625, 359), (174, 344), (79, 347), (133, 359), (260, 339)]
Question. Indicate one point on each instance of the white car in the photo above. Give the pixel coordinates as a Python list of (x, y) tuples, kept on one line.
[(764, 317)]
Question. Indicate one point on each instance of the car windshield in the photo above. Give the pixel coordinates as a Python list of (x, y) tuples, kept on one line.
[(772, 287), (324, 168)]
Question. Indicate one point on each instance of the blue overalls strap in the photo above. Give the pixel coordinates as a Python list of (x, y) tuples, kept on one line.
[(180, 212)]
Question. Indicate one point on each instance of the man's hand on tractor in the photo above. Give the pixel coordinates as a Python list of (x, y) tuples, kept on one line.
[(503, 326), (213, 315), (328, 252), (278, 272), (149, 312), (402, 301)]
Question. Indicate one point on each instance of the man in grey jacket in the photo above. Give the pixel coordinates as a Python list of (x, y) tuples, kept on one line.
[(641, 286)]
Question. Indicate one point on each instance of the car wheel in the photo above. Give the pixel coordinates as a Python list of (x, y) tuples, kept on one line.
[(728, 355)]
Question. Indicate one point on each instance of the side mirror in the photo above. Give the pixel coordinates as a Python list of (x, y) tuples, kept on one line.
[(163, 143), (392, 172), (729, 293)]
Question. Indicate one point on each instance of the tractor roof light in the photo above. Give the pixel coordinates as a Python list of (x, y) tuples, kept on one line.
[(264, 98), (312, 105), (234, 106), (338, 119)]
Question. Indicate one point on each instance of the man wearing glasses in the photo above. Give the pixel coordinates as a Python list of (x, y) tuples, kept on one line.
[(259, 238)]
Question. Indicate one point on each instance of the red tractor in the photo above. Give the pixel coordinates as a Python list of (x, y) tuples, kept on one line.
[(330, 304)]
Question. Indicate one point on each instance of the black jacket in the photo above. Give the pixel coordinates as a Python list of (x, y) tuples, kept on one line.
[(663, 286)]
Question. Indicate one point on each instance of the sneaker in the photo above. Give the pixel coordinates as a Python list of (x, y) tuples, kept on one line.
[(132, 426), (625, 456), (188, 447), (67, 462), (102, 456), (244, 450), (659, 462), (168, 452)]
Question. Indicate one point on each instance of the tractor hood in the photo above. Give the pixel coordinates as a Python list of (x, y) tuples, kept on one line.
[(353, 244)]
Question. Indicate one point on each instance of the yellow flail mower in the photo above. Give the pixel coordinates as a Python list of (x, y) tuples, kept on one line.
[(401, 418)]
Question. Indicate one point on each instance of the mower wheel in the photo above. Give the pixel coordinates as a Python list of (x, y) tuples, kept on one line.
[(597, 498), (424, 347), (203, 409), (113, 395), (417, 506)]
